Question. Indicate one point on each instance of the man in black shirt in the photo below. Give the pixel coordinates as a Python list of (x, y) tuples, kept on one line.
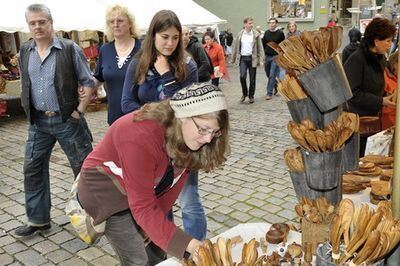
[(272, 37)]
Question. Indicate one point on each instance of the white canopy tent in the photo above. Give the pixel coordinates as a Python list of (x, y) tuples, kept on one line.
[(90, 14)]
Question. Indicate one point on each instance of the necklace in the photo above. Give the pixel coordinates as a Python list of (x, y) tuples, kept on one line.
[(121, 60), (123, 54)]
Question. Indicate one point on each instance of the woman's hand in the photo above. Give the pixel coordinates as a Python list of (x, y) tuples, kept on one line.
[(193, 245), (387, 101), (161, 64), (221, 75)]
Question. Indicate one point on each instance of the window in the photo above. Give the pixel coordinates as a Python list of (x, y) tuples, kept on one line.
[(286, 10)]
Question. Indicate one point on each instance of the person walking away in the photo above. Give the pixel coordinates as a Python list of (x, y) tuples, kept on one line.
[(365, 72), (216, 54), (354, 38), (154, 149), (389, 113), (116, 55), (158, 71), (248, 49), (51, 69), (199, 55), (272, 37)]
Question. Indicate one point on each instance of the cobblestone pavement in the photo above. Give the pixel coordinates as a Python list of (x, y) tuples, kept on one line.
[(253, 187)]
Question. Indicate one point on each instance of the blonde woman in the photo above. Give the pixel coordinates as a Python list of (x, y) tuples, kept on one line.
[(292, 29), (116, 55)]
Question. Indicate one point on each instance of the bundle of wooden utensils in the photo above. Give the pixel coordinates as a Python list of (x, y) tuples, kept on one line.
[(363, 235), (331, 138), (291, 89), (302, 53), (254, 253)]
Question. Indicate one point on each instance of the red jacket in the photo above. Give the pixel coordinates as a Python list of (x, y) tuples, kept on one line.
[(138, 149), (389, 114), (216, 54)]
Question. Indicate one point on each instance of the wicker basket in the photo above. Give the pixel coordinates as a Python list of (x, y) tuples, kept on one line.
[(314, 233)]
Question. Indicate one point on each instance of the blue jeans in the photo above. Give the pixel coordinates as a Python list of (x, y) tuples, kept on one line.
[(73, 137), (193, 216), (272, 72)]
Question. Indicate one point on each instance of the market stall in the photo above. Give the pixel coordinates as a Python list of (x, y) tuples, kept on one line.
[(344, 208)]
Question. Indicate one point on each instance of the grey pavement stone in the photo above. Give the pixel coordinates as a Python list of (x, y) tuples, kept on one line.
[(14, 248), (258, 213), (73, 262), (58, 255), (90, 253), (6, 259), (30, 257), (16, 209), (6, 240), (274, 200), (239, 197), (108, 248), (272, 218), (5, 217), (105, 261), (30, 241), (271, 208), (222, 209), (74, 245), (243, 207), (287, 214), (10, 225), (61, 237), (45, 246), (240, 216)]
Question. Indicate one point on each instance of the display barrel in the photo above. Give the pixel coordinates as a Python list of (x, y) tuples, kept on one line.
[(301, 188), (351, 153), (327, 84), (307, 109), (323, 169)]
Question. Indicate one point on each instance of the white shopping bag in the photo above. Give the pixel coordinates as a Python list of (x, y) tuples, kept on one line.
[(379, 144)]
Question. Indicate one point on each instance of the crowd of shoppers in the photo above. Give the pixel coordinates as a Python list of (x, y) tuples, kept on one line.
[(164, 126)]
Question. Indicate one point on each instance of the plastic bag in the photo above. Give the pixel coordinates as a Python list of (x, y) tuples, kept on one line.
[(101, 92), (80, 220), (379, 144)]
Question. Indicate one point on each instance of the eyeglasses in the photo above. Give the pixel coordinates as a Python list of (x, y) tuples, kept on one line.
[(205, 132), (38, 22)]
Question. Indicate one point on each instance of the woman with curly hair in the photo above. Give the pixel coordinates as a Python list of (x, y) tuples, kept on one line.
[(115, 56), (134, 175)]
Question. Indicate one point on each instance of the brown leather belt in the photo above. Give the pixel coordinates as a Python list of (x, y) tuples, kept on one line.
[(48, 113)]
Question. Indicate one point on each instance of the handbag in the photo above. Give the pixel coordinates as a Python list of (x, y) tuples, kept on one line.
[(370, 125)]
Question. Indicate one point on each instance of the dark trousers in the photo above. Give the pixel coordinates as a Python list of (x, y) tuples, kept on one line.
[(244, 65), (124, 237)]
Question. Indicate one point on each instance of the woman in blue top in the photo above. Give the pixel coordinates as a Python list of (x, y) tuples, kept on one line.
[(116, 55), (160, 69)]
